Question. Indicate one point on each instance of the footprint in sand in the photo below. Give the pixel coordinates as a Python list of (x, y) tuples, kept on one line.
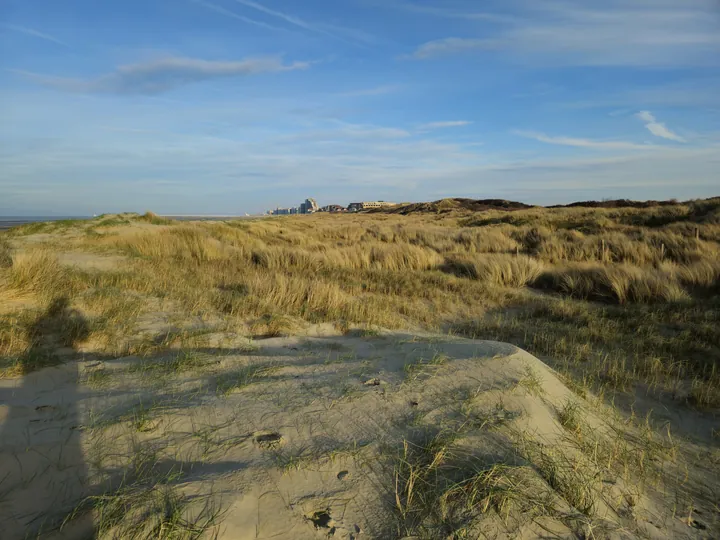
[(342, 475), (322, 520), (44, 408), (268, 439)]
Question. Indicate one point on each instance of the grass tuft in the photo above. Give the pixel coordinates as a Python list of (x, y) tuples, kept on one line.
[(6, 259), (496, 270), (621, 284), (154, 219)]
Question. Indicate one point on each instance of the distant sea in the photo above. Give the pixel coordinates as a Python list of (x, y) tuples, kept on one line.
[(7, 222)]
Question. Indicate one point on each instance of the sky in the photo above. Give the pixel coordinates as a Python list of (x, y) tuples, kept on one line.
[(234, 106)]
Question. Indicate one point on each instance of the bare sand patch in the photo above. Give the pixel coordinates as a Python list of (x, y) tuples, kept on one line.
[(291, 441)]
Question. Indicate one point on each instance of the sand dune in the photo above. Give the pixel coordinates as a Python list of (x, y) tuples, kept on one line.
[(309, 438)]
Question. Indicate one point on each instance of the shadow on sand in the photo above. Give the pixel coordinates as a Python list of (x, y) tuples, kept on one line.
[(42, 467)]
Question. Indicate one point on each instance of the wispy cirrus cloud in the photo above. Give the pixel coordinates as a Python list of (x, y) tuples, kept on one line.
[(657, 128), (375, 91), (582, 143), (446, 124), (296, 21), (226, 12), (339, 132), (33, 33), (443, 11), (338, 32), (451, 45), (162, 75), (627, 33)]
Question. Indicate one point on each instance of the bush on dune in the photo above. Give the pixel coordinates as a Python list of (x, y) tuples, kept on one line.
[(499, 270), (616, 284), (6, 260)]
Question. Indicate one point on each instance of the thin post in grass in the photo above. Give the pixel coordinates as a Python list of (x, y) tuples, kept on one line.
[(697, 233), (662, 251)]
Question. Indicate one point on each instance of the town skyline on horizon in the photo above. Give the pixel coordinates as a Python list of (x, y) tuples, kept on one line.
[(346, 207)]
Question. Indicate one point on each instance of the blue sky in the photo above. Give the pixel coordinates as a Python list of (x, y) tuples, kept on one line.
[(231, 106)]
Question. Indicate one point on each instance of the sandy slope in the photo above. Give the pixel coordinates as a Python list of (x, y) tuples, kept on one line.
[(297, 438)]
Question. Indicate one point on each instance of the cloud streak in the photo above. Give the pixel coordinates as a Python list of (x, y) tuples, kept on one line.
[(277, 14), (226, 12), (657, 128), (582, 143), (376, 91), (451, 45), (33, 33), (165, 74), (447, 124), (448, 13), (631, 33), (336, 32)]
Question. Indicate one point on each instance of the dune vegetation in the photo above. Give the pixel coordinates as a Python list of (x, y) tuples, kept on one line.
[(622, 303)]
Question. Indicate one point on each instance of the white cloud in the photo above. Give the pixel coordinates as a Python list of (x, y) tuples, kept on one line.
[(157, 76), (440, 47), (447, 124), (583, 143), (656, 128), (631, 32), (645, 116)]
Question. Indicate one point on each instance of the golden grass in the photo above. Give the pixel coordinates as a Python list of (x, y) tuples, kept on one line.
[(618, 284), (641, 284), (5, 253), (497, 270), (35, 271)]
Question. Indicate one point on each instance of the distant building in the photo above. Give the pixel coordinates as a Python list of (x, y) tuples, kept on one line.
[(333, 208), (310, 206), (368, 205)]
